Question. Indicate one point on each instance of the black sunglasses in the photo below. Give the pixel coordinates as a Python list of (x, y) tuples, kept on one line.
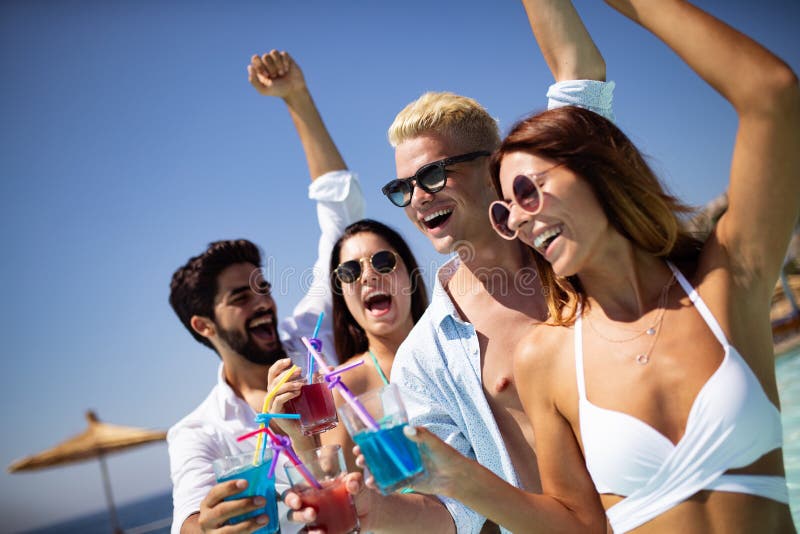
[(382, 262), (431, 178)]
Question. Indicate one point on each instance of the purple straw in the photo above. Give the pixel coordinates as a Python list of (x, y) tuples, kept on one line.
[(344, 368), (347, 395), (284, 444), (358, 408)]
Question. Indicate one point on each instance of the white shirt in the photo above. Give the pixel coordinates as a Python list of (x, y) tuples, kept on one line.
[(210, 431)]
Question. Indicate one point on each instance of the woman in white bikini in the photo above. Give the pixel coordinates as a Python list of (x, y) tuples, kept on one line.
[(652, 394)]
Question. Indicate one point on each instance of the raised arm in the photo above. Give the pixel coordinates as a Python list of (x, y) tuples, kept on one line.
[(564, 41), (276, 74), (764, 189), (338, 196)]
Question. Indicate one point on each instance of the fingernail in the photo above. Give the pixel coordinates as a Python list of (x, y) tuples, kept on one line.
[(262, 519), (241, 484), (259, 501), (409, 431)]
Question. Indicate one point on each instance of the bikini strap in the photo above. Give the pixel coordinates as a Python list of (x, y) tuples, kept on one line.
[(579, 376), (700, 306), (378, 367)]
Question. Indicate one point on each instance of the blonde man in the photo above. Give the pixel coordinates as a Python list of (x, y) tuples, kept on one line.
[(455, 367)]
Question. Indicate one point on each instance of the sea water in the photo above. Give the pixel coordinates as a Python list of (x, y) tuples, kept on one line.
[(376, 446), (788, 372)]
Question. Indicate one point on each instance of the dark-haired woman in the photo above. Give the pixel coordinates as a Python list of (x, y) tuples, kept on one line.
[(652, 395), (378, 296)]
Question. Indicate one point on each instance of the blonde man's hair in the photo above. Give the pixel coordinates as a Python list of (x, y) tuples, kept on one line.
[(459, 118)]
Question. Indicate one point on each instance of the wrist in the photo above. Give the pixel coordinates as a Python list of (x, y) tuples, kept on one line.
[(464, 484), (298, 98)]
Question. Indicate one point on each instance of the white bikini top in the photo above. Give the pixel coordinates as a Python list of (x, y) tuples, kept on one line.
[(731, 424)]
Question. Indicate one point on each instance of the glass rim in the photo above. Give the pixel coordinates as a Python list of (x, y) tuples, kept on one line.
[(224, 465)]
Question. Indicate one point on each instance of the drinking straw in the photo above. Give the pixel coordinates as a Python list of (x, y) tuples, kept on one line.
[(317, 345), (268, 398), (281, 444), (358, 408), (343, 368), (347, 395), (319, 324), (261, 447), (264, 418), (265, 408), (301, 467)]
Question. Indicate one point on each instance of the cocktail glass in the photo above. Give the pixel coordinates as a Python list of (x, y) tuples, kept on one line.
[(336, 512), (315, 406), (252, 467), (394, 461)]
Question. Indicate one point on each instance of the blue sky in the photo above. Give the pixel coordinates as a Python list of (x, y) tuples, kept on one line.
[(130, 138)]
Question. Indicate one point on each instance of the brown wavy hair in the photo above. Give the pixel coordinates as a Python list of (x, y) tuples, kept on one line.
[(635, 202), (349, 338)]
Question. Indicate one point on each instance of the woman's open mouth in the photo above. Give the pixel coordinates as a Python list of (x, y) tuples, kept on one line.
[(378, 302)]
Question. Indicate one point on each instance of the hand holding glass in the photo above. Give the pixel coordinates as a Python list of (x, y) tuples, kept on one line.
[(315, 406), (393, 459), (253, 468), (336, 512)]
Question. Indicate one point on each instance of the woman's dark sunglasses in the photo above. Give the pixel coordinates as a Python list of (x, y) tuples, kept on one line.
[(527, 195), (431, 178), (382, 262)]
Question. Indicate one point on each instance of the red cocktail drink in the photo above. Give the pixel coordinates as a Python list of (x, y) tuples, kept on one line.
[(315, 406), (334, 506), (336, 512)]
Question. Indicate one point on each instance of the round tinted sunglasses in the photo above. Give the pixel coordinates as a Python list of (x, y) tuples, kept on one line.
[(527, 195), (431, 178), (382, 262)]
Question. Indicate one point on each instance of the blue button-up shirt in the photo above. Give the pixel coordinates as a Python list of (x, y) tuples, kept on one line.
[(438, 366)]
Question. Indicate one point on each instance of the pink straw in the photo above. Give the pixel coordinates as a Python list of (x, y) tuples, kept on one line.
[(279, 445)]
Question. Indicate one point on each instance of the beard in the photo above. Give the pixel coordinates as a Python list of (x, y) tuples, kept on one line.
[(244, 345)]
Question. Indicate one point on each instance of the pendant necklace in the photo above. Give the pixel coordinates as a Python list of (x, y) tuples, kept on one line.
[(653, 330)]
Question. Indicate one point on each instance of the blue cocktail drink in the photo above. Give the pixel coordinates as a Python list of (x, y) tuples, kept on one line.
[(242, 467), (375, 421), (392, 458)]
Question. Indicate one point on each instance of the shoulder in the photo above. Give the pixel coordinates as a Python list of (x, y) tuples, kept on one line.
[(423, 337), (198, 424), (541, 353)]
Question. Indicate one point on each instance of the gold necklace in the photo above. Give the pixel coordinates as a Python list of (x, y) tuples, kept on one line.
[(653, 330)]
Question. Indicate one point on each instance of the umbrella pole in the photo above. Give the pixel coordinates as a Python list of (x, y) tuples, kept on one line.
[(112, 511)]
